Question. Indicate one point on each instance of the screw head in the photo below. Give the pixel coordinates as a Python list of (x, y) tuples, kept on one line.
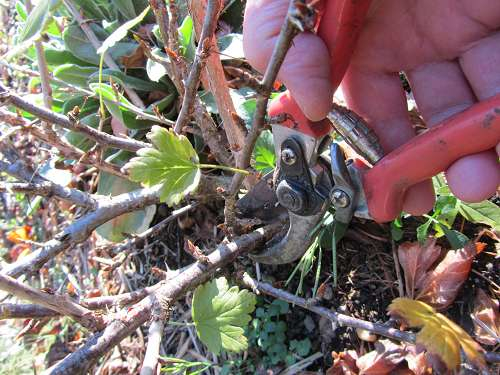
[(292, 199), (288, 156), (339, 198)]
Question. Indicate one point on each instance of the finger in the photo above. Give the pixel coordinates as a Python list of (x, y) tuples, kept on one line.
[(305, 71), (441, 90), (481, 67), (380, 99)]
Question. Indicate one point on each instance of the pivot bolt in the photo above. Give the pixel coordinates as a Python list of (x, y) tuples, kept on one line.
[(288, 156), (339, 198), (293, 199)]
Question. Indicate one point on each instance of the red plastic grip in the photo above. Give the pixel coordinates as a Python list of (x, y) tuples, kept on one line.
[(339, 26), (475, 130)]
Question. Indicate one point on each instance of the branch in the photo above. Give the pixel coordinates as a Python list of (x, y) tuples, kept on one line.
[(96, 43), (33, 73), (25, 311), (48, 189), (80, 361), (155, 333), (193, 79), (59, 303), (214, 80), (288, 31), (341, 319), (102, 138), (81, 229)]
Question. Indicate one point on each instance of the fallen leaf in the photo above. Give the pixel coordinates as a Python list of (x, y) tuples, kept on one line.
[(439, 335), (441, 286), (386, 356), (416, 259), (486, 319), (19, 234), (344, 363), (417, 361)]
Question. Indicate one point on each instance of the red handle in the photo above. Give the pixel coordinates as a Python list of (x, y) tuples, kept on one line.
[(475, 130), (340, 32)]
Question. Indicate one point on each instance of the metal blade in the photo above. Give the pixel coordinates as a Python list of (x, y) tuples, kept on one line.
[(261, 201), (295, 243)]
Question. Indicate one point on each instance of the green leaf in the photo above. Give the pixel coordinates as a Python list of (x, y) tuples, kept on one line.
[(186, 38), (264, 155), (423, 229), (155, 70), (485, 212), (56, 57), (123, 79), (121, 32), (220, 315), (74, 74), (456, 239), (231, 47), (77, 43), (130, 223), (21, 10), (126, 8), (119, 106), (36, 21), (172, 162)]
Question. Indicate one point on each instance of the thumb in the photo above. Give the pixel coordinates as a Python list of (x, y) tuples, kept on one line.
[(306, 69)]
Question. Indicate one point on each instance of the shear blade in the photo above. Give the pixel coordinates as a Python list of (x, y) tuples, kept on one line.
[(294, 243), (260, 202)]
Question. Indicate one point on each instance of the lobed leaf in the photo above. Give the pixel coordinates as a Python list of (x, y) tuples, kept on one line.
[(439, 335), (220, 314), (172, 162)]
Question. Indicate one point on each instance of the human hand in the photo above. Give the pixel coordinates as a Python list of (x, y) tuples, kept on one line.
[(449, 50)]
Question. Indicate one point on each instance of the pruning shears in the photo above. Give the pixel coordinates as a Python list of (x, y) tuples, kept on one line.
[(312, 173)]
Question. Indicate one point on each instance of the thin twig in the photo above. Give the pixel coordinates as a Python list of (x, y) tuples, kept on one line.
[(17, 168), (33, 73), (81, 360), (341, 319), (96, 43), (155, 333), (398, 270), (102, 138), (25, 311), (288, 32), (59, 303), (80, 229), (193, 80), (48, 189)]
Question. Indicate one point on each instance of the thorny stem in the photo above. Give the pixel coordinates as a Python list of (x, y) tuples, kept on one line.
[(287, 34), (193, 79), (102, 138), (54, 302), (126, 323), (341, 319)]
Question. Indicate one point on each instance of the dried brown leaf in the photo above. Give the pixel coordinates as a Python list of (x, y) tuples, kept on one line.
[(440, 286), (417, 361), (416, 260), (439, 335), (382, 360), (344, 363), (486, 319)]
